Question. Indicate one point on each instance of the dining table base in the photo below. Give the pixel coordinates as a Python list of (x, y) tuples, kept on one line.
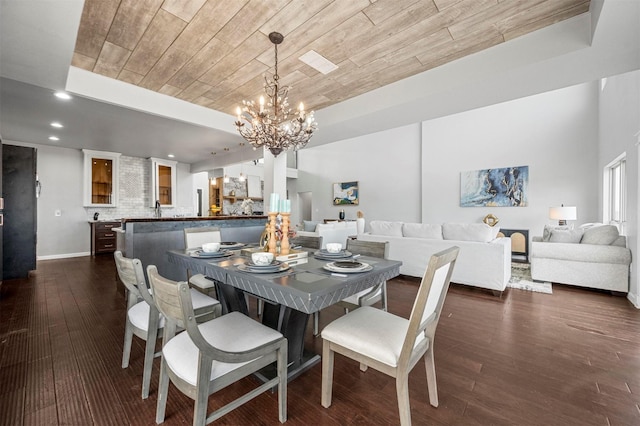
[(292, 324), (308, 360)]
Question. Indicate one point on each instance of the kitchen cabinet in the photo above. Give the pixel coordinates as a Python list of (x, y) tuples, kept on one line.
[(103, 237), (163, 182), (101, 178)]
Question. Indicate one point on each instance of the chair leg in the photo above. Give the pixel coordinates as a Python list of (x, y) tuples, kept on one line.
[(149, 353), (282, 383), (128, 338), (202, 391), (431, 376), (327, 374), (316, 321), (404, 409), (384, 296), (163, 389)]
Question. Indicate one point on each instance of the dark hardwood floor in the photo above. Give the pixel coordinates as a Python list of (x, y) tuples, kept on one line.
[(570, 358)]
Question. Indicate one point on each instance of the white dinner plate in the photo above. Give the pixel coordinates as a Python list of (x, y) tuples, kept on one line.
[(211, 255), (331, 266), (231, 245), (325, 255), (244, 267), (273, 264)]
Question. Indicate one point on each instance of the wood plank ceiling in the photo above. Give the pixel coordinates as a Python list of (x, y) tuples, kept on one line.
[(215, 53)]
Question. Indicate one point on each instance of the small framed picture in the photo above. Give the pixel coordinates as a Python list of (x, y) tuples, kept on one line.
[(345, 193)]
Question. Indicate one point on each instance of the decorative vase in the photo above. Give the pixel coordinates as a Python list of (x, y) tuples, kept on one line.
[(360, 225), (341, 214)]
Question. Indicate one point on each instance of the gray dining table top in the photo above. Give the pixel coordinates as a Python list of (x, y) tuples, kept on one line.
[(306, 287)]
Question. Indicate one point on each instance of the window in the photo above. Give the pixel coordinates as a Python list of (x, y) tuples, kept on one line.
[(615, 188)]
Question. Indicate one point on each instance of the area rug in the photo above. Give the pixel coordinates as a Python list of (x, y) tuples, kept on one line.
[(521, 279)]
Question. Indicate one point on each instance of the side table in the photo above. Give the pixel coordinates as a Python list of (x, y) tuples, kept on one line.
[(519, 244)]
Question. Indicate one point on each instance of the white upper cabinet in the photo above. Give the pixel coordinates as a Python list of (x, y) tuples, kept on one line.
[(101, 171), (163, 182)]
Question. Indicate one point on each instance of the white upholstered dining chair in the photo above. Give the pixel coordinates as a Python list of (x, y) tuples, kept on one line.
[(369, 296), (210, 356), (143, 319), (377, 293), (391, 344), (194, 238)]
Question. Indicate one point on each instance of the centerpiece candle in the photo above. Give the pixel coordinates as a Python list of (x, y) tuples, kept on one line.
[(274, 202)]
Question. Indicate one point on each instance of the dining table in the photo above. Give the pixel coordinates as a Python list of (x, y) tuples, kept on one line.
[(292, 292)]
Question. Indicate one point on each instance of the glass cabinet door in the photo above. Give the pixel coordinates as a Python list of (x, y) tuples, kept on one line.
[(163, 182), (100, 178)]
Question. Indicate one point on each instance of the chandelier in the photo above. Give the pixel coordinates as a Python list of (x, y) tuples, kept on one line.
[(273, 126)]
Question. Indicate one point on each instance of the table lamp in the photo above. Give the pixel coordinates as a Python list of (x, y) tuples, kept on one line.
[(562, 214)]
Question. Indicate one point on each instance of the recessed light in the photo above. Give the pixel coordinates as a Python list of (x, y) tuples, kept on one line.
[(170, 155), (54, 138), (56, 125), (63, 95)]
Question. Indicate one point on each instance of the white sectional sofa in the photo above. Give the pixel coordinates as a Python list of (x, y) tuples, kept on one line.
[(591, 256), (484, 260), (335, 232)]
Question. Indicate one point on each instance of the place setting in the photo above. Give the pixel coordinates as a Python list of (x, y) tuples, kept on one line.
[(347, 266), (333, 251), (211, 251), (263, 263), (231, 245)]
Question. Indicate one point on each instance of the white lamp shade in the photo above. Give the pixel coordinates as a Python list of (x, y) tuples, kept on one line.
[(563, 213)]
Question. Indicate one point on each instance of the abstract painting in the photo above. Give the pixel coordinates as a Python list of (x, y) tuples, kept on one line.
[(505, 187), (345, 193)]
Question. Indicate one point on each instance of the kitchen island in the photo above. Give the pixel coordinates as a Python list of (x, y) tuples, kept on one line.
[(149, 239)]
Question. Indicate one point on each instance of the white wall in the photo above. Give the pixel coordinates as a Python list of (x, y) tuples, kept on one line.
[(60, 172), (412, 173), (386, 165), (620, 132), (555, 134)]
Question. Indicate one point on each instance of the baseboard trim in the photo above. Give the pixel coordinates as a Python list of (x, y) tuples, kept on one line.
[(634, 299), (63, 256)]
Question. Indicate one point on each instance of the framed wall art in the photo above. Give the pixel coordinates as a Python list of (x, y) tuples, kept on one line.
[(345, 193), (505, 187)]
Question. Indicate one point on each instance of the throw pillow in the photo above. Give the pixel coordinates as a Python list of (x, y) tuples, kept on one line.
[(422, 230), (546, 234), (566, 236), (601, 235), (309, 225), (468, 232), (381, 227)]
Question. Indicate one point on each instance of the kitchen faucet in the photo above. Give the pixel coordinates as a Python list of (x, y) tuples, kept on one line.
[(158, 209)]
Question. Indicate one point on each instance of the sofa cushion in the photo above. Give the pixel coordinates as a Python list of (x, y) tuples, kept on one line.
[(309, 225), (601, 235), (422, 230), (480, 232), (566, 236), (382, 227), (546, 234)]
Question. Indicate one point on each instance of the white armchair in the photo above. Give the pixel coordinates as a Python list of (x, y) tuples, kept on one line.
[(335, 232)]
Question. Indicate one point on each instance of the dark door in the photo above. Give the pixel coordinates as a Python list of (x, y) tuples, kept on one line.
[(1, 212), (19, 190)]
